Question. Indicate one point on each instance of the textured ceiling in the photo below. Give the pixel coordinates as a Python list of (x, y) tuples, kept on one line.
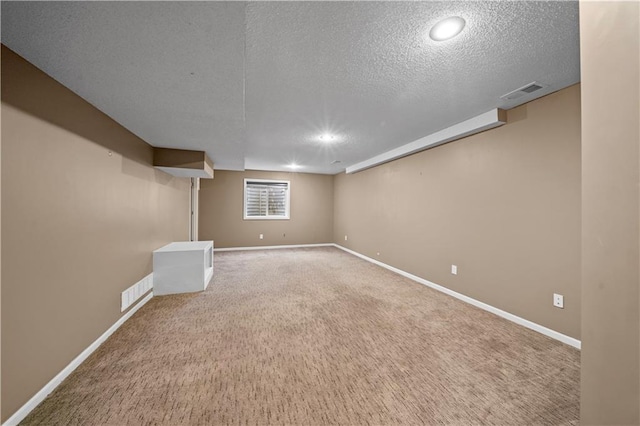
[(255, 84)]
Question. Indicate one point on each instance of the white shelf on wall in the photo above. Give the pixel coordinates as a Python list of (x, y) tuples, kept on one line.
[(182, 267)]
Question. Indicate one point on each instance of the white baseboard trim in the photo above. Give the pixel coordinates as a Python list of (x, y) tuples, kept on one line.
[(274, 247), (504, 314), (19, 415)]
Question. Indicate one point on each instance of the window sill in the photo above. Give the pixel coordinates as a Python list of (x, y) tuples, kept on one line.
[(266, 218)]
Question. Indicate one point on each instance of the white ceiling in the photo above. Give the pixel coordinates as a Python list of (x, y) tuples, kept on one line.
[(254, 84)]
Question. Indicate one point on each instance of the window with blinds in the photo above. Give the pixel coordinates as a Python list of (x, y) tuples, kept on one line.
[(266, 199)]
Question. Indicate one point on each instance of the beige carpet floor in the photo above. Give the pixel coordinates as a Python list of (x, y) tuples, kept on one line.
[(312, 337)]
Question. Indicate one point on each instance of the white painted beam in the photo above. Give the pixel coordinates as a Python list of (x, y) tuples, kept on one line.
[(494, 118)]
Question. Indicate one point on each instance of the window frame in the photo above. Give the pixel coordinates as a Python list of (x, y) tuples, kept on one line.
[(287, 208)]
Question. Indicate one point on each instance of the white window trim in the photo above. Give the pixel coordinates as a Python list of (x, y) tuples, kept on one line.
[(287, 206)]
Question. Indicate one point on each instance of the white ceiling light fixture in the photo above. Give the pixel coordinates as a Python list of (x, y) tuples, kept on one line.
[(293, 166), (447, 28), (328, 137)]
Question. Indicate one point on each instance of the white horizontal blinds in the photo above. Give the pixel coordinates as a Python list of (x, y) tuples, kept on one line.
[(277, 199), (256, 200), (266, 199)]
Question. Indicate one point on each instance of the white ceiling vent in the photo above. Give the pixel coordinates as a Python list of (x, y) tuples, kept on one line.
[(524, 90)]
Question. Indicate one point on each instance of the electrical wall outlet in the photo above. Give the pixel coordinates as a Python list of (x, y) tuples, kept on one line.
[(454, 269), (261, 236), (346, 238), (558, 300)]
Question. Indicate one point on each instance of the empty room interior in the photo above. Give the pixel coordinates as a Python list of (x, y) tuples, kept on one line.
[(318, 212)]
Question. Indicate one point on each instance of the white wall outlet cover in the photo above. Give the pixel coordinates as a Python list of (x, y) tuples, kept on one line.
[(558, 300), (454, 269), (261, 236), (345, 238)]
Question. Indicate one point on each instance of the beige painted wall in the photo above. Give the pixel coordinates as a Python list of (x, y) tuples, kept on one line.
[(503, 205), (610, 63), (221, 204), (0, 265), (79, 225)]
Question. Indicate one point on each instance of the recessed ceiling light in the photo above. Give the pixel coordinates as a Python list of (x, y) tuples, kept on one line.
[(327, 137), (293, 166), (447, 28)]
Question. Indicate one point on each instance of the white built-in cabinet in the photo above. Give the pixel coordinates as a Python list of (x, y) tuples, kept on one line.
[(182, 267)]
